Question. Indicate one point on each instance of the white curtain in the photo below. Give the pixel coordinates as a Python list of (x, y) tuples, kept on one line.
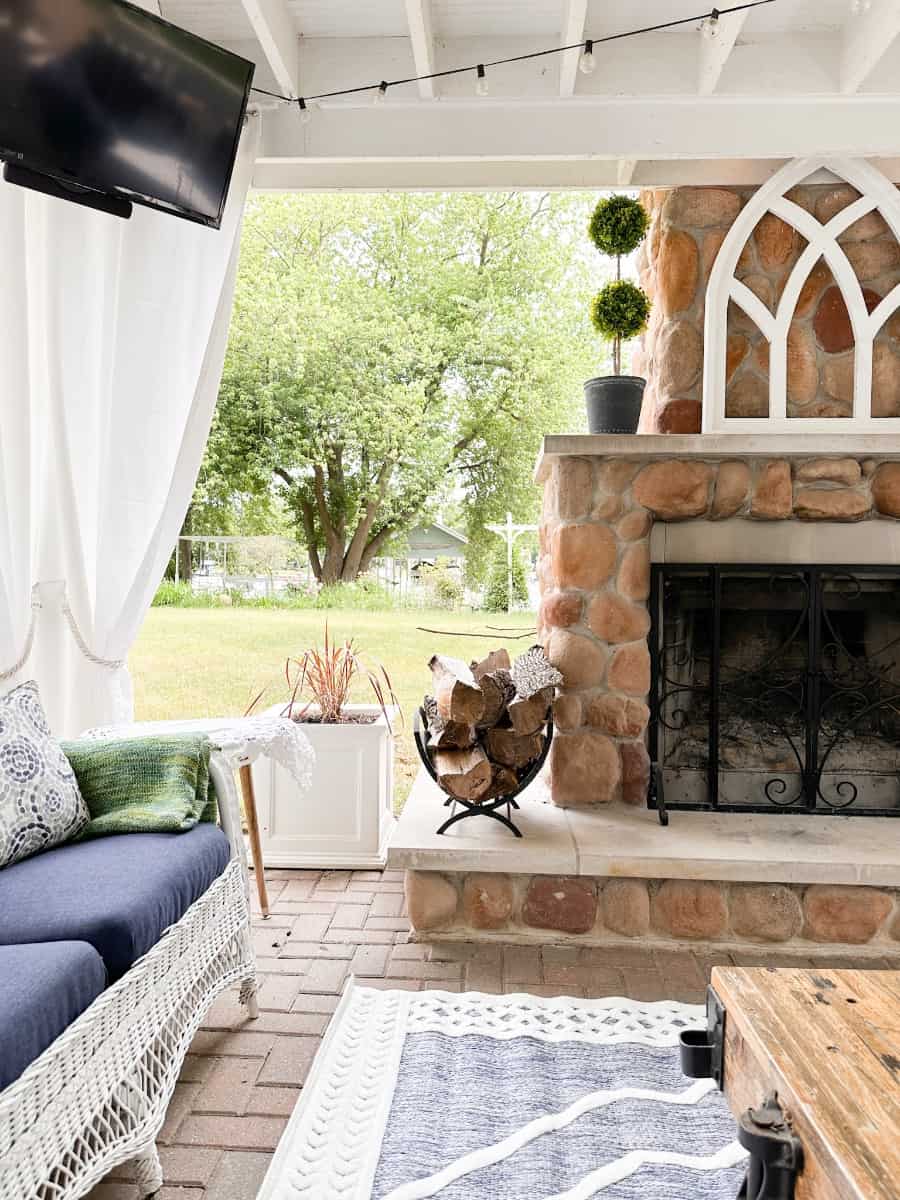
[(112, 339)]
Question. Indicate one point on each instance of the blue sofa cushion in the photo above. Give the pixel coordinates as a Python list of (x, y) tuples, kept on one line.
[(117, 893), (43, 988)]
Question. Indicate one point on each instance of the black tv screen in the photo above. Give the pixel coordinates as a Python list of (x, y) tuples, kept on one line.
[(103, 95)]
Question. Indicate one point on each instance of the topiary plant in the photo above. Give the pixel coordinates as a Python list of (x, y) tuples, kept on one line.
[(620, 310)]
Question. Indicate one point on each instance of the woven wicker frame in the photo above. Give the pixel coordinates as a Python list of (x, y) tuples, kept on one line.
[(98, 1095)]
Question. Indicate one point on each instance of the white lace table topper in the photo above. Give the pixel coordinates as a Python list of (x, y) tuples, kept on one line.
[(241, 740)]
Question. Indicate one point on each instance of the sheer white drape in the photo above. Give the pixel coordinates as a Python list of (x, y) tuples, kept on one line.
[(112, 339)]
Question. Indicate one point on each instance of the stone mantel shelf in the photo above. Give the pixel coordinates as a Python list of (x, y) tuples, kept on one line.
[(715, 446), (630, 842)]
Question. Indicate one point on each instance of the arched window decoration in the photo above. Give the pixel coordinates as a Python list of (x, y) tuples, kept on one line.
[(876, 192)]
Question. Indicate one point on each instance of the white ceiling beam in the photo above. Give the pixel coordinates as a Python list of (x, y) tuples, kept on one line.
[(574, 17), (867, 36), (625, 169), (277, 34), (418, 20), (715, 49)]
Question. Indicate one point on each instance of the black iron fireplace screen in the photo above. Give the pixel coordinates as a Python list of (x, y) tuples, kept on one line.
[(775, 688)]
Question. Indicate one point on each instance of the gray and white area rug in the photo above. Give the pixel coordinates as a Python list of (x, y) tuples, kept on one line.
[(473, 1097)]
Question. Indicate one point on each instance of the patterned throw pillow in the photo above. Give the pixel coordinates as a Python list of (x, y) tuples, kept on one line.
[(40, 804)]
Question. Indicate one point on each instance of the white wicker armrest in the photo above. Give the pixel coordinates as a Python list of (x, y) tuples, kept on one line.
[(229, 810)]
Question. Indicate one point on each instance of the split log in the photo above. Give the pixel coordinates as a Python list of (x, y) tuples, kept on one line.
[(511, 749), (451, 735), (528, 716), (456, 691), (497, 660), (465, 774), (504, 782), (498, 690), (533, 671)]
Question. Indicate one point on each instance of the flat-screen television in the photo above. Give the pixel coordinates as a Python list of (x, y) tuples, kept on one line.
[(106, 99)]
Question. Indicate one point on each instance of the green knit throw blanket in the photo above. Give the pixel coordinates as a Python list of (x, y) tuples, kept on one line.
[(158, 784)]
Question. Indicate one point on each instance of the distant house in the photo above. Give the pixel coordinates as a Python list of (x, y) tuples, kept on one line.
[(430, 542)]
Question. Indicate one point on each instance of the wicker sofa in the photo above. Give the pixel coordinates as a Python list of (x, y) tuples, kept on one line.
[(111, 951)]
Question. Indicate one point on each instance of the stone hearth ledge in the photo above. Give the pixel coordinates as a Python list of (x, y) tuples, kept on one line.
[(630, 843)]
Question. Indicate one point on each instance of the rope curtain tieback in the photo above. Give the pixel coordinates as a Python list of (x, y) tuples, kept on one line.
[(29, 637), (111, 664)]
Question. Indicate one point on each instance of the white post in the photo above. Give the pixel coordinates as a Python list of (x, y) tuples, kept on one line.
[(509, 562)]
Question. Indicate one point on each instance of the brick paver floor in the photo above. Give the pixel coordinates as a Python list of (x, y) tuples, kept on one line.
[(242, 1078)]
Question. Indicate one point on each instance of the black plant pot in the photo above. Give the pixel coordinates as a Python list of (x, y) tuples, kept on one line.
[(614, 403)]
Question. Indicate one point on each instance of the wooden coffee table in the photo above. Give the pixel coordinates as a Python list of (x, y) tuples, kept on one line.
[(826, 1046)]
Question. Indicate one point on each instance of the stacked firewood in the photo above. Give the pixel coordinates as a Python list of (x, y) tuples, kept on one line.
[(486, 721)]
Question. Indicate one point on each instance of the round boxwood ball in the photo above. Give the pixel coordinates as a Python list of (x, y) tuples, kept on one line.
[(620, 310), (618, 225)]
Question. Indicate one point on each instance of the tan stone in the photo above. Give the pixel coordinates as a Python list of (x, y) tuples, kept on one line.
[(567, 711), (560, 902), (607, 508), (816, 282), (872, 225), (575, 488), (487, 900), (738, 348), (827, 408), (709, 249), (895, 928), (634, 525), (619, 716), (581, 659), (886, 489), (615, 619), (871, 259), (561, 609), (835, 200), (775, 241), (831, 504), (625, 907), (584, 556), (584, 769), (431, 900), (674, 489), (748, 396), (635, 773), (685, 909), (678, 357), (615, 474), (802, 368), (700, 207), (633, 580), (545, 572), (885, 382), (767, 912), (773, 496), (761, 287), (837, 379), (850, 915), (732, 489), (677, 269), (835, 470), (679, 416), (629, 670)]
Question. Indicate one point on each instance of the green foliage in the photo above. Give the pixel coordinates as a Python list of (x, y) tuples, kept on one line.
[(618, 225), (363, 595), (442, 586), (620, 310), (179, 595), (496, 596)]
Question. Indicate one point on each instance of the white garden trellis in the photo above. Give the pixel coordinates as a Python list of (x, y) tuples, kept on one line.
[(877, 193)]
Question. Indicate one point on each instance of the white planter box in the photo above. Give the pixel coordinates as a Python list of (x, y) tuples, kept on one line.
[(346, 818)]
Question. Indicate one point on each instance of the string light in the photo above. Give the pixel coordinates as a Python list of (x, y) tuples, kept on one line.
[(305, 112), (481, 83), (587, 62), (707, 20)]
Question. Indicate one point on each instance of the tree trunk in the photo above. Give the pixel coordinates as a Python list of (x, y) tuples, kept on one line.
[(184, 550)]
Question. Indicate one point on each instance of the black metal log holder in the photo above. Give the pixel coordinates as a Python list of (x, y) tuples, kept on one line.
[(776, 1154), (474, 808)]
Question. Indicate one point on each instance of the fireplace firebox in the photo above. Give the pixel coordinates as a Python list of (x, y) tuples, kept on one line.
[(775, 687)]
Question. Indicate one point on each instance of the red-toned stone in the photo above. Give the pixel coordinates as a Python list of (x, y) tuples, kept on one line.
[(633, 580), (850, 915), (732, 490), (635, 772), (581, 659), (674, 489), (583, 556), (738, 348), (831, 504), (615, 619), (831, 323), (634, 525), (677, 269), (679, 416), (773, 497), (619, 716), (775, 241), (629, 670), (584, 769), (575, 488), (710, 247), (818, 279), (886, 489), (625, 907), (700, 207), (487, 900), (615, 474), (431, 899), (767, 912), (561, 609), (567, 711), (560, 902), (686, 909), (607, 508)]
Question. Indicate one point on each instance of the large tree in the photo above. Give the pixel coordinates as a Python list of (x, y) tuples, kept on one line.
[(392, 353)]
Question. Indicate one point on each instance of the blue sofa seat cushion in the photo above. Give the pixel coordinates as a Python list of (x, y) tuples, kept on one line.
[(117, 893), (43, 988)]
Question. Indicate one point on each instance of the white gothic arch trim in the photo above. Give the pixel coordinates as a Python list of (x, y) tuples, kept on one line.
[(876, 192)]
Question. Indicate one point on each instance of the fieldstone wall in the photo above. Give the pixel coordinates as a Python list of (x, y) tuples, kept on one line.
[(688, 226), (605, 911), (594, 572)]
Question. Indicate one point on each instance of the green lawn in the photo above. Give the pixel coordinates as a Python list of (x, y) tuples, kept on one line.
[(196, 662)]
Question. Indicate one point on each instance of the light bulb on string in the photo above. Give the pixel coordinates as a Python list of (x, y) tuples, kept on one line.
[(711, 25), (587, 62), (380, 93), (305, 112), (481, 83)]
